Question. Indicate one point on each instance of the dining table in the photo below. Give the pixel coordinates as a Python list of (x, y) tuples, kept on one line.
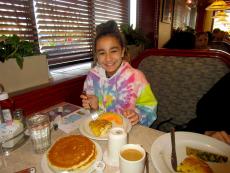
[(25, 157)]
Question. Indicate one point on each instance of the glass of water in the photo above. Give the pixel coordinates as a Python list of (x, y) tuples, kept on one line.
[(39, 129)]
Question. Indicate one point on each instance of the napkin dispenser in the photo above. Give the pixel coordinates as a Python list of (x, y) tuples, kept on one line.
[(8, 134)]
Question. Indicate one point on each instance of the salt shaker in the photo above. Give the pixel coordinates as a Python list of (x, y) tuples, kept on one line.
[(117, 138), (18, 115)]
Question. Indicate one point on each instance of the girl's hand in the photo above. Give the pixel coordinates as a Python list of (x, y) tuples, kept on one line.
[(132, 116), (221, 135), (89, 101)]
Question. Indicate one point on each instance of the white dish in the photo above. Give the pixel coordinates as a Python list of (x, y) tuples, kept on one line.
[(85, 129), (161, 150), (46, 169)]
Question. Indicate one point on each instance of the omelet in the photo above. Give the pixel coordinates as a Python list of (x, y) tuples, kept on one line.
[(100, 127), (193, 164)]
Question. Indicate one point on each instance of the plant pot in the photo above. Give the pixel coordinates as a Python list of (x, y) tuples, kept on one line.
[(35, 72)]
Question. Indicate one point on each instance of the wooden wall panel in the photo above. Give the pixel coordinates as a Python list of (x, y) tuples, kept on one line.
[(148, 19), (42, 98)]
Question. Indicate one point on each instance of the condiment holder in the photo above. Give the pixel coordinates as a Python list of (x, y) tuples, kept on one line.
[(116, 139)]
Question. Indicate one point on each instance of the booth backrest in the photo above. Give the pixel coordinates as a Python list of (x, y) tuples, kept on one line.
[(179, 78), (220, 45)]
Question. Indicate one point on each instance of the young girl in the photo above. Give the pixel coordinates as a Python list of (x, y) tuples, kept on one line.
[(113, 85)]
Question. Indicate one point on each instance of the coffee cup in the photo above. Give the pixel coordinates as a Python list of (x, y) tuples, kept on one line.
[(132, 158)]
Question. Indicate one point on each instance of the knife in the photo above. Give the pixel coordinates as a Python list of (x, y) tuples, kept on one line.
[(173, 154), (147, 162)]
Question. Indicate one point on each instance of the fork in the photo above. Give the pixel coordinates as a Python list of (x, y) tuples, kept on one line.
[(93, 113)]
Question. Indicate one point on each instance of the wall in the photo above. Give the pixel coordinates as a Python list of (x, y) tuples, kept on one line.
[(164, 33), (35, 72), (208, 21)]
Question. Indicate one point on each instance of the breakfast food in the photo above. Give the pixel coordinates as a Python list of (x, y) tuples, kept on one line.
[(100, 127), (206, 156), (112, 117), (104, 123), (193, 164), (71, 153)]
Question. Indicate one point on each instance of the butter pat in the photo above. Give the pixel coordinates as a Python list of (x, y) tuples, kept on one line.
[(9, 131)]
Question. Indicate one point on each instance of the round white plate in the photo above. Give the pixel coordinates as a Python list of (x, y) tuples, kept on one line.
[(85, 129), (161, 150), (46, 169)]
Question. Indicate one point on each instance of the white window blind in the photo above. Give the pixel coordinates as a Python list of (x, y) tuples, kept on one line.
[(117, 10), (16, 17), (65, 29)]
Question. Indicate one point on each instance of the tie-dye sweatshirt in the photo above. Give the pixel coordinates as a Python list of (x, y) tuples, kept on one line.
[(126, 89)]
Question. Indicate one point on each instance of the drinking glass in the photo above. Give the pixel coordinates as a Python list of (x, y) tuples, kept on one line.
[(39, 129)]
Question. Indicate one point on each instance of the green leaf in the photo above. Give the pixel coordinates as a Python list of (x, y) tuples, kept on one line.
[(20, 61), (13, 47)]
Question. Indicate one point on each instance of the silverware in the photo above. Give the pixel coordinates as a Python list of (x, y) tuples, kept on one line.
[(173, 154), (147, 162), (93, 113)]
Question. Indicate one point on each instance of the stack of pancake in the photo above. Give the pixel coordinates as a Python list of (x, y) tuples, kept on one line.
[(71, 153)]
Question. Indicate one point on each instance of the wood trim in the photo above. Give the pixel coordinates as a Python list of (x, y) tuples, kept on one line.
[(39, 99), (186, 53)]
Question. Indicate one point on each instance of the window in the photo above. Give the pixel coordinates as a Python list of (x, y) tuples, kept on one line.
[(16, 17), (65, 28), (133, 13), (223, 22), (111, 9)]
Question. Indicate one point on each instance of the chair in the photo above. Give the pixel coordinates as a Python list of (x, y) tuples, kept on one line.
[(179, 78), (220, 45)]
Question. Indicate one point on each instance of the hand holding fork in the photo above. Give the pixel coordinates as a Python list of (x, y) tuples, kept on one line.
[(90, 102)]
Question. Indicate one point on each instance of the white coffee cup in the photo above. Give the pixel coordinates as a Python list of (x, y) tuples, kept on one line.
[(132, 159)]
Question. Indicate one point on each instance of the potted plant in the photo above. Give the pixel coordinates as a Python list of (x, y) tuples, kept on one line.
[(13, 47), (20, 68), (135, 39)]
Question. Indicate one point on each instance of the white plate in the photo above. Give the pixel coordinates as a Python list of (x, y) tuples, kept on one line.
[(46, 169), (85, 129), (161, 150)]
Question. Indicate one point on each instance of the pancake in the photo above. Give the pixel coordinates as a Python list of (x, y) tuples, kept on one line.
[(71, 153)]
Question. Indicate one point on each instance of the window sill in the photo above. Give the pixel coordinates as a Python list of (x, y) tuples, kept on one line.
[(63, 73), (58, 75)]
